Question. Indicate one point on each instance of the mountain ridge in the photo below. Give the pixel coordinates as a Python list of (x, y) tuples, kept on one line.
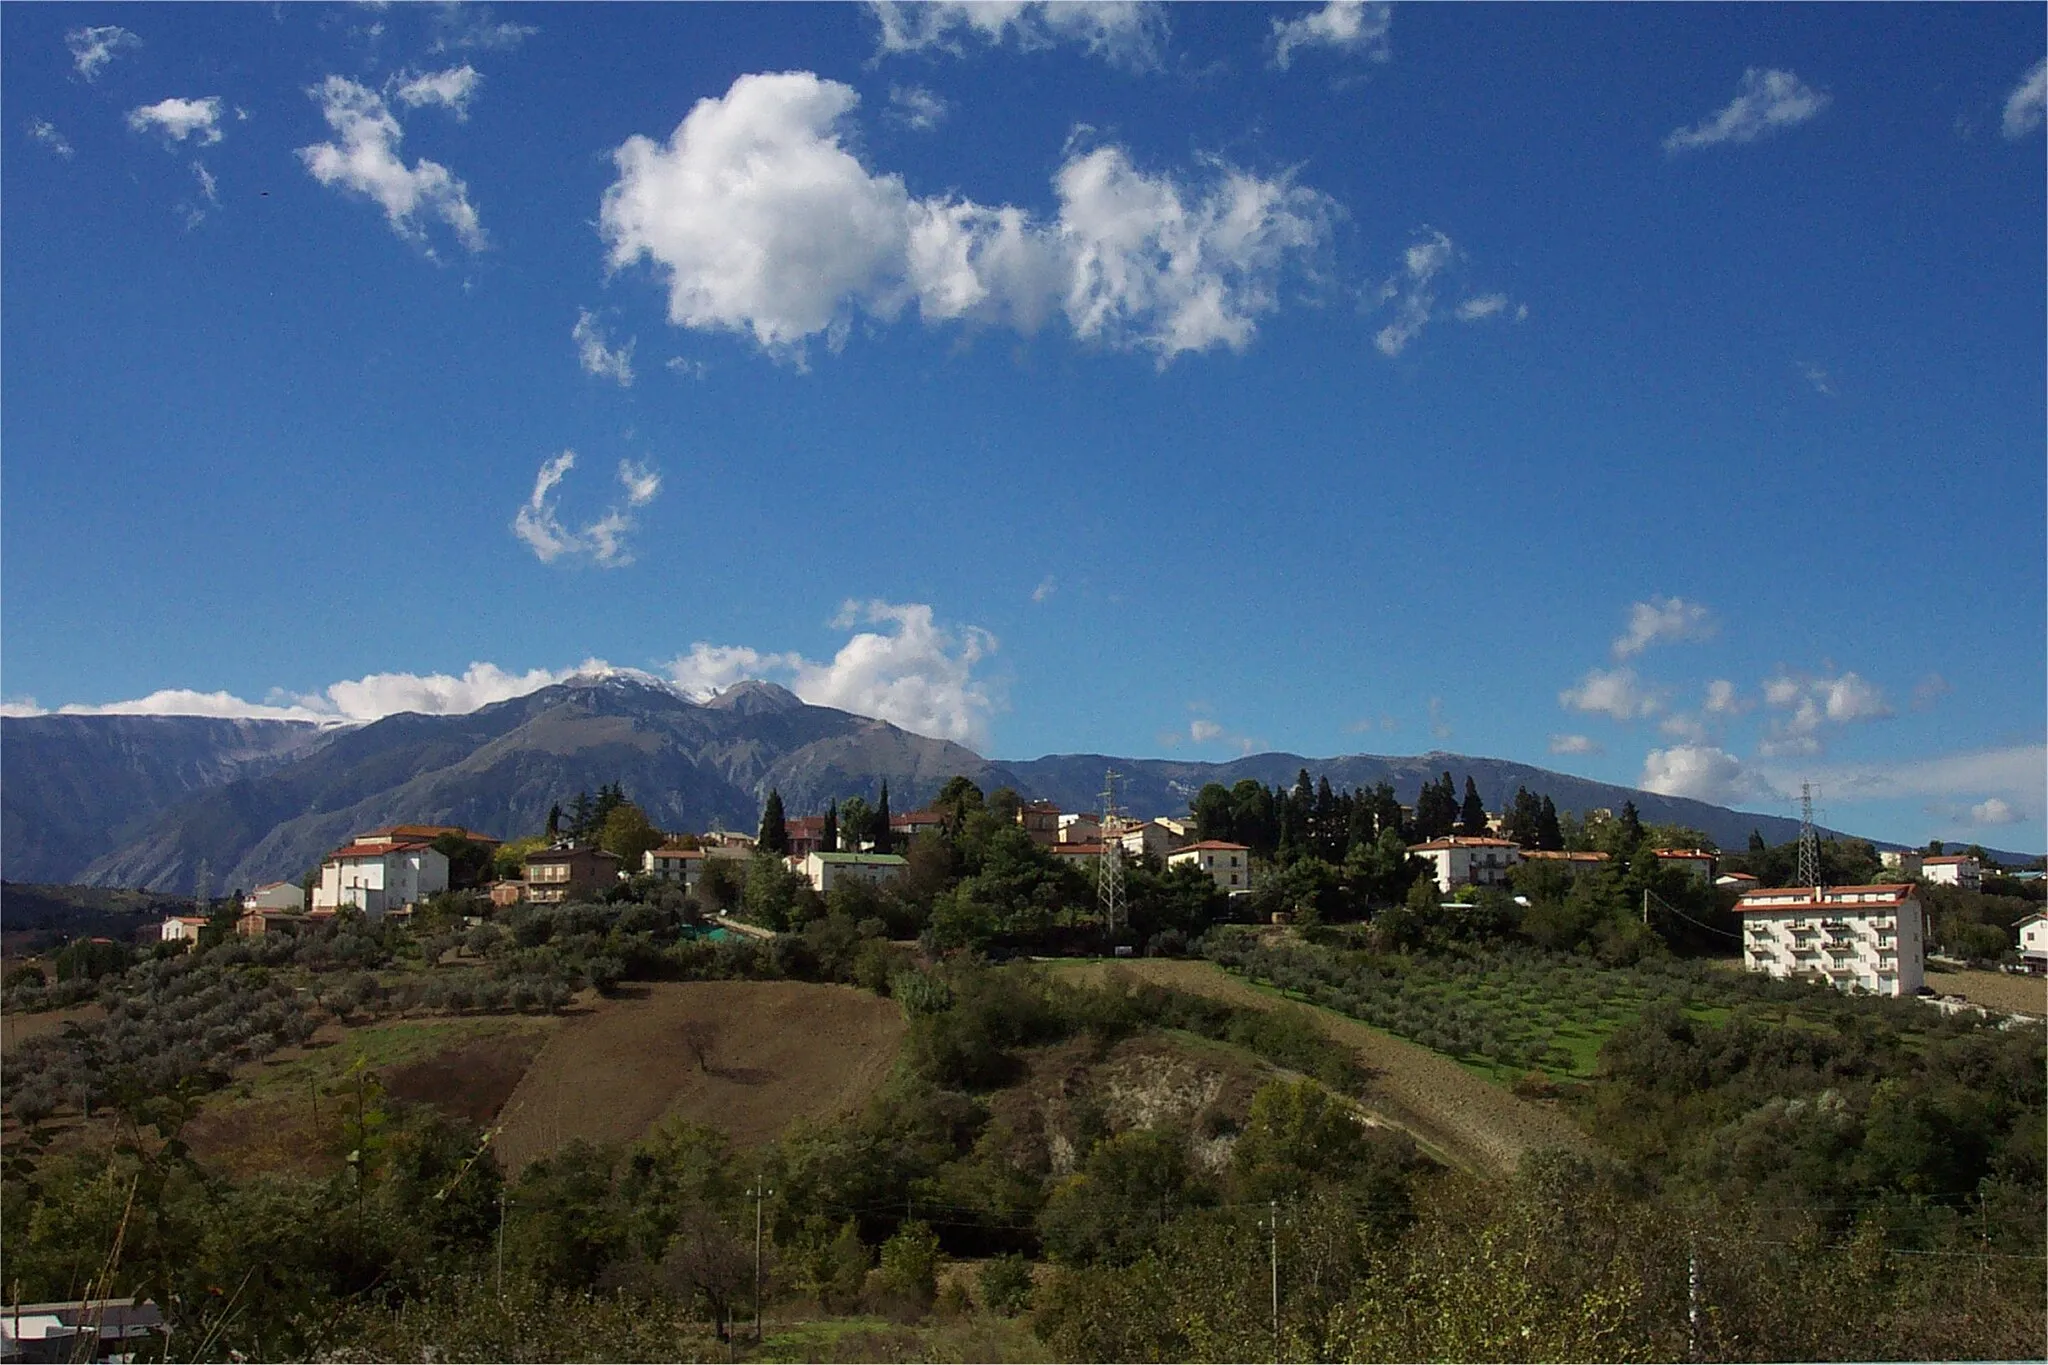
[(142, 801)]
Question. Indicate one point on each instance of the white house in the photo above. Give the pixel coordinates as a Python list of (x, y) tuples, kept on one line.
[(377, 878), (826, 870), (1955, 870), (681, 865), (1466, 860), (1870, 938), (1228, 865), (289, 896), (1741, 881), (1697, 862), (2033, 931), (1904, 861), (182, 928), (1075, 854)]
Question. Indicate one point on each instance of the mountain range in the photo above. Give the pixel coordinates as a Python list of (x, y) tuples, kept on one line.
[(148, 801)]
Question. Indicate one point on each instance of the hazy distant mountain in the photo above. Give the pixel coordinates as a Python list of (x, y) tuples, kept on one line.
[(141, 800)]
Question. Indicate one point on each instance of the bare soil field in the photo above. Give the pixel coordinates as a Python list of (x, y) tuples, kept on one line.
[(16, 1029), (1994, 990), (783, 1050), (472, 1081), (1452, 1113)]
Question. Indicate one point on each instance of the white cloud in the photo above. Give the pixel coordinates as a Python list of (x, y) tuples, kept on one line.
[(1412, 291), (178, 119), (1702, 773), (1782, 691), (538, 522), (1483, 306), (1615, 692), (1118, 31), (467, 28), (914, 673), (1815, 703), (44, 132), (1047, 586), (1202, 731), (2024, 107), (366, 162), (438, 694), (21, 706), (2013, 774), (93, 48), (1345, 25), (596, 357), (642, 482), (1574, 744), (1723, 699), (1995, 811), (1851, 698), (1439, 727), (761, 221), (913, 106), (1765, 102), (1662, 619), (1818, 378), (452, 89)]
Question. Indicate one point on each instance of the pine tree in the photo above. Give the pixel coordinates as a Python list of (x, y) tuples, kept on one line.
[(880, 824), (579, 817), (828, 838), (555, 821), (1631, 829), (774, 834), (1549, 833), (1472, 815), (1756, 842), (1329, 824)]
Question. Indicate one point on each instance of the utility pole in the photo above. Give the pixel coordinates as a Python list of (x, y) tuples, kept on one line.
[(1109, 868), (501, 1242), (1809, 843), (1646, 905), (1273, 1259), (758, 1194), (1692, 1299)]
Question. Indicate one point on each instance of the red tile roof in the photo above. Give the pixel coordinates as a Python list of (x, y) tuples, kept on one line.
[(370, 851), (1950, 858), (1886, 893), (1463, 841), (1217, 845)]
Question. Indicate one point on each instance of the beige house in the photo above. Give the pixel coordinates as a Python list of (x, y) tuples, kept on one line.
[(1904, 861), (826, 870), (1466, 860), (1228, 865), (684, 866), (1041, 820), (288, 896), (557, 875)]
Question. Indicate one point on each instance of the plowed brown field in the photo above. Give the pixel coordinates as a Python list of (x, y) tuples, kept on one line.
[(1994, 990), (1446, 1108), (785, 1050)]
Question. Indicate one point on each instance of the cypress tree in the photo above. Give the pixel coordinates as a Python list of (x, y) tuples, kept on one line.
[(1549, 834), (774, 834), (1631, 829), (1472, 815), (828, 840), (880, 825)]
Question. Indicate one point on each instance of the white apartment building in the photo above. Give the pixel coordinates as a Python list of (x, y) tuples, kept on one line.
[(684, 866), (377, 878), (1697, 862), (1870, 938), (1741, 881), (1955, 870), (1465, 860), (827, 870), (1228, 865)]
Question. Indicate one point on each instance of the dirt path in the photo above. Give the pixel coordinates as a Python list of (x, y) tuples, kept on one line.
[(784, 1050), (1451, 1112)]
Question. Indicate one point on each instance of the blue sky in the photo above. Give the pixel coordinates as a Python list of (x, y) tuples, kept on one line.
[(1653, 392)]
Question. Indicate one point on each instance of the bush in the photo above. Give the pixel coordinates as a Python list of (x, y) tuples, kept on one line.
[(1005, 1285), (910, 1264)]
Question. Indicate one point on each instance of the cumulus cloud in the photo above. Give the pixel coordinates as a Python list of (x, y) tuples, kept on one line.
[(913, 106), (1047, 586), (2013, 774), (1663, 619), (760, 220), (642, 482), (1815, 703), (451, 89), (1725, 699), (597, 358), (1995, 811), (538, 522), (1702, 773), (365, 161), (472, 28), (1611, 692), (1574, 744), (44, 133), (179, 119), (1439, 725), (92, 48), (912, 672), (1481, 307), (1691, 729), (1203, 731), (1120, 32), (1765, 102), (2024, 107), (1412, 292), (1342, 25)]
